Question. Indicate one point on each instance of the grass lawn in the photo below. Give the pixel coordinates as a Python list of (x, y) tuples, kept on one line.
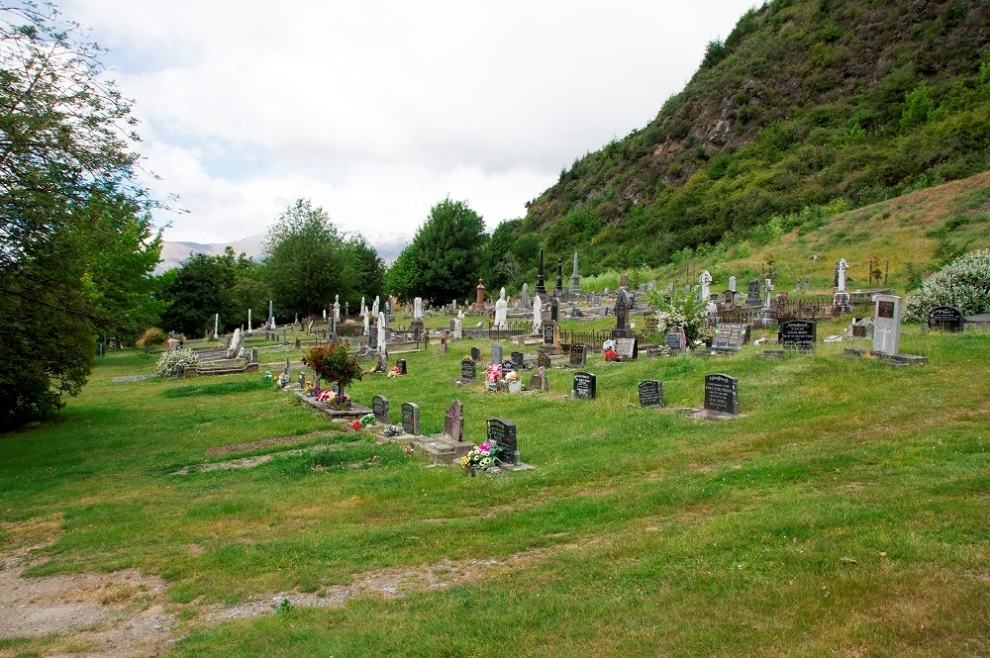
[(846, 512)]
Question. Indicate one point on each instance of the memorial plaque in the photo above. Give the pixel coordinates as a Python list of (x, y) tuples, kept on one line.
[(885, 309), (543, 360), (728, 337), (476, 354), (379, 406), (469, 370), (651, 393), (585, 385), (410, 418), (946, 318), (504, 433), (496, 353), (676, 340), (722, 393), (517, 360), (579, 355), (798, 334), (626, 348)]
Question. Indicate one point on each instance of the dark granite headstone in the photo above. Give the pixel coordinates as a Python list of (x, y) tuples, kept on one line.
[(401, 363), (504, 433), (548, 333), (453, 421), (579, 355), (379, 406), (410, 418), (585, 385), (797, 334), (517, 360), (946, 318), (476, 354), (753, 294), (469, 370), (722, 393), (651, 393)]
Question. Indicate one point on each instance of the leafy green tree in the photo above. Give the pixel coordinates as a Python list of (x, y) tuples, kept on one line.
[(76, 244), (368, 272), (307, 261), (401, 277), (201, 288), (447, 252)]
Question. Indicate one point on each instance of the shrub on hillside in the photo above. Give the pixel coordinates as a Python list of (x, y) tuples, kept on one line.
[(964, 284), (171, 360), (152, 337)]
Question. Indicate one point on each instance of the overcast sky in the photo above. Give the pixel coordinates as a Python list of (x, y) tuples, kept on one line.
[(377, 110)]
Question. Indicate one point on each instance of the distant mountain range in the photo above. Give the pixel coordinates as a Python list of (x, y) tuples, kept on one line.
[(388, 246)]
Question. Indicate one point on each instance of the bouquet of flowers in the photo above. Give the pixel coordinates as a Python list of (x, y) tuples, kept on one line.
[(484, 458), (366, 420), (494, 373), (611, 355)]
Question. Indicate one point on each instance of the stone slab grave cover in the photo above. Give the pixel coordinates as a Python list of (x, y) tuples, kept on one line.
[(798, 334), (722, 394), (504, 434), (497, 353), (379, 407), (946, 318), (887, 325), (410, 418), (676, 340), (626, 348), (469, 370), (730, 337), (651, 393), (585, 385), (579, 356)]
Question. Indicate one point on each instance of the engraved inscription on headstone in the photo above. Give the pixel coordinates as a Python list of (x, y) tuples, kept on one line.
[(946, 318), (585, 385), (379, 406), (722, 393), (517, 360), (797, 334), (651, 393), (504, 433), (579, 355), (410, 418), (626, 348)]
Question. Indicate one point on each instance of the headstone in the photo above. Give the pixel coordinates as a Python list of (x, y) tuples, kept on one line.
[(946, 318), (497, 353), (379, 406), (453, 421), (651, 393), (732, 283), (524, 300), (798, 334), (548, 334), (504, 434), (729, 337), (555, 310), (585, 385), (537, 315), (575, 279), (543, 360), (517, 360), (753, 294), (410, 418), (476, 354), (706, 281), (458, 328), (626, 348), (722, 394), (442, 349), (401, 365), (501, 313), (538, 382), (579, 355), (676, 340), (469, 370), (887, 325), (382, 334)]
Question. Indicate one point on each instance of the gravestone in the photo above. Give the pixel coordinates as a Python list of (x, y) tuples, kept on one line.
[(887, 325), (626, 348), (538, 382), (798, 334), (946, 318), (651, 393), (729, 337), (543, 360), (469, 370), (410, 418), (496, 353), (579, 355), (503, 433), (676, 340), (753, 294), (548, 333), (379, 407), (585, 385), (476, 354), (453, 421), (517, 360), (401, 365), (722, 394)]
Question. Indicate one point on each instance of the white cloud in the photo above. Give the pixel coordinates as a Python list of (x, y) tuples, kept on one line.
[(378, 110)]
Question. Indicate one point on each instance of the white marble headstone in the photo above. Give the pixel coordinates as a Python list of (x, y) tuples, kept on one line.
[(887, 324)]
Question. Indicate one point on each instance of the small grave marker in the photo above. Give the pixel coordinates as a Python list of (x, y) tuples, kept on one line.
[(496, 353), (585, 385), (579, 355), (410, 418), (401, 364), (469, 370), (946, 318), (651, 393), (379, 406), (504, 433), (722, 393), (476, 354), (538, 382), (517, 360), (729, 337), (543, 360), (676, 340)]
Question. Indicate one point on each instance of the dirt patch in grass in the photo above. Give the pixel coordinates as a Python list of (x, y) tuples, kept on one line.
[(233, 448)]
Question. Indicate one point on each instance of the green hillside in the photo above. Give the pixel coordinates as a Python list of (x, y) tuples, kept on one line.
[(806, 103)]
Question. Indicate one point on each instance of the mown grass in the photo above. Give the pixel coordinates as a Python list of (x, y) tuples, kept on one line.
[(844, 513)]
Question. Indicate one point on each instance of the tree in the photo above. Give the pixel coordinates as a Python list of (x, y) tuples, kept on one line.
[(306, 260), (447, 252), (368, 271), (76, 245), (401, 277), (201, 289)]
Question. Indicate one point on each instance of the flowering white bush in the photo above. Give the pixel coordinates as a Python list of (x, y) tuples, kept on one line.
[(964, 284), (170, 360), (684, 310)]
